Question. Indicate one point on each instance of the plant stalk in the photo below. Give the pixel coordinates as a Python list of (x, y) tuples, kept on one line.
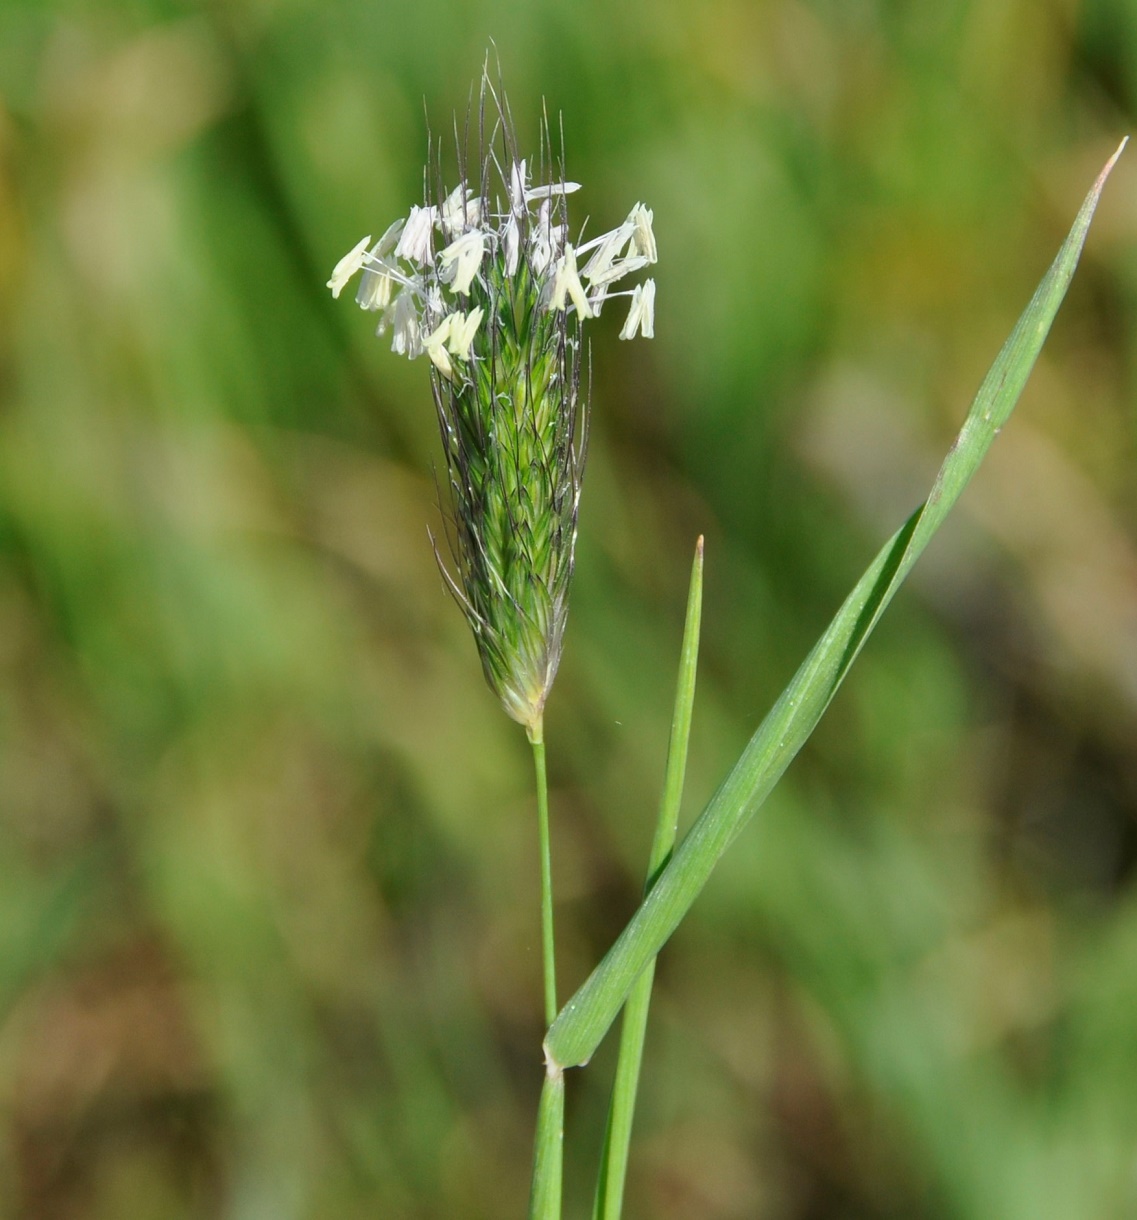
[(537, 740), (545, 1195)]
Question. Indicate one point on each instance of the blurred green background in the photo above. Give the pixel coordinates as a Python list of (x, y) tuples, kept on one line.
[(268, 893)]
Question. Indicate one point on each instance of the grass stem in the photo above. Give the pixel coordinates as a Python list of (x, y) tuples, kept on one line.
[(537, 739), (545, 1196)]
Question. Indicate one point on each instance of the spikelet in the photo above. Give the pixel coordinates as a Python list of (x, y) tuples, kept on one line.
[(488, 286)]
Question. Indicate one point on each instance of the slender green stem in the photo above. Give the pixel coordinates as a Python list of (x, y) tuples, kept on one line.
[(545, 1195), (537, 739), (618, 1133)]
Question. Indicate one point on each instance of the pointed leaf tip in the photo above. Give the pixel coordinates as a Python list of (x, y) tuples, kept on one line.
[(1111, 163)]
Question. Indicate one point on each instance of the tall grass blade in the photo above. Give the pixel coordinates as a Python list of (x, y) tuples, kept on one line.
[(585, 1019), (618, 1133)]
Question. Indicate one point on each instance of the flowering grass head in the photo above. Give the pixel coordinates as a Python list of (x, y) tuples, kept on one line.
[(486, 282)]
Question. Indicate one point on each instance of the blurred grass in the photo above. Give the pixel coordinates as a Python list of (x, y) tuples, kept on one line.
[(268, 904)]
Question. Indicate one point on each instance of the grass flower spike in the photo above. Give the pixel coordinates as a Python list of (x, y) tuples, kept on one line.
[(485, 281)]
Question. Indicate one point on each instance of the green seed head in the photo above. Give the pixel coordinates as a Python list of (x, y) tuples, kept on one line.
[(486, 283)]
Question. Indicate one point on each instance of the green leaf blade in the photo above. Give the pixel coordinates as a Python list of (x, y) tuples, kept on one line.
[(585, 1019), (608, 1202)]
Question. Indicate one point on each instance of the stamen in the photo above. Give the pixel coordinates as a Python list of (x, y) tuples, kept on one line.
[(348, 266)]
